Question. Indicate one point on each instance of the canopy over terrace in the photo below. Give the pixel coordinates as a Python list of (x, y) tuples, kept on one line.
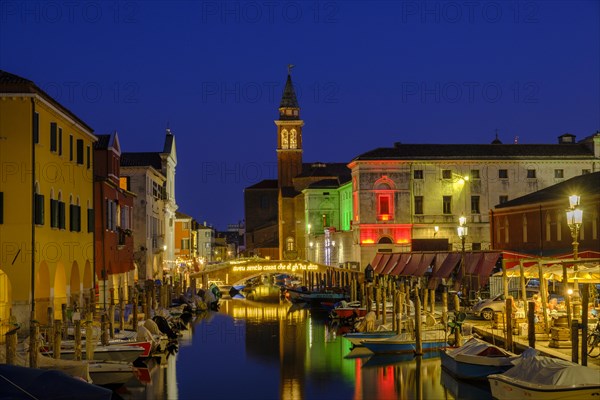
[(438, 265), (238, 270)]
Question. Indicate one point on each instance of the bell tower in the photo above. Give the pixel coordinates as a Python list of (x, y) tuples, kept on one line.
[(289, 136)]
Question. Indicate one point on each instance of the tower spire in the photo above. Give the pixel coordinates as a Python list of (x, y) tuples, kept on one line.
[(289, 100)]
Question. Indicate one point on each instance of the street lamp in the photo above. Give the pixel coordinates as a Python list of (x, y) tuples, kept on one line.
[(574, 220), (462, 231)]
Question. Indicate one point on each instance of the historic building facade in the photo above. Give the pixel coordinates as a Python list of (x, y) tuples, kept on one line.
[(46, 203), (419, 191), (536, 224), (113, 206), (148, 174)]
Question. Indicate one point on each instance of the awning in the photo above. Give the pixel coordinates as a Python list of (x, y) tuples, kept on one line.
[(426, 261), (375, 262), (399, 268), (412, 265), (445, 263), (391, 264)]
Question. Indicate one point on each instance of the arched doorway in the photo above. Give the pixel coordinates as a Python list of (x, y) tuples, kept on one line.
[(60, 290), (5, 297), (75, 286), (42, 293)]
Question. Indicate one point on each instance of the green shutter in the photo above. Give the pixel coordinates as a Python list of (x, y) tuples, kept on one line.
[(60, 141), (36, 128), (39, 209), (61, 215), (53, 134), (53, 213), (90, 216), (80, 151), (71, 217)]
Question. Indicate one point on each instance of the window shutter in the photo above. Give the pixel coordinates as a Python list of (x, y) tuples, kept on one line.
[(90, 216), (39, 209), (88, 161), (70, 147), (53, 213), (1, 207), (61, 215), (71, 217), (53, 139), (80, 151), (60, 141), (78, 213), (36, 128)]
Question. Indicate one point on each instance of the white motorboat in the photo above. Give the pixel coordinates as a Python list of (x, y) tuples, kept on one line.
[(476, 359), (536, 377)]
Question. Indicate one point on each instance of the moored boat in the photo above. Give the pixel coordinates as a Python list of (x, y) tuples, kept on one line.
[(302, 294), (476, 359), (356, 338), (538, 377), (405, 343)]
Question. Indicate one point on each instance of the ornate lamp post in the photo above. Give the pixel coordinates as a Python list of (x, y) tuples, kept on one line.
[(462, 231), (574, 220)]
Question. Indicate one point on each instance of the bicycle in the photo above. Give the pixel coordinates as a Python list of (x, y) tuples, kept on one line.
[(594, 341)]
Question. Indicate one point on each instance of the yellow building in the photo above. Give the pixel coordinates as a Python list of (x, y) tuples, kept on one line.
[(46, 203)]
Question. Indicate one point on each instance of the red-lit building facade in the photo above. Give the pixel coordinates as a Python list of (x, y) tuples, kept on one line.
[(113, 234)]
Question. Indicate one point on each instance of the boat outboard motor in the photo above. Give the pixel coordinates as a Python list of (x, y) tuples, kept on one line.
[(164, 327)]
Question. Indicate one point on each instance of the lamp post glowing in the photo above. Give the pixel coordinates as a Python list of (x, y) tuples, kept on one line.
[(462, 231), (574, 220)]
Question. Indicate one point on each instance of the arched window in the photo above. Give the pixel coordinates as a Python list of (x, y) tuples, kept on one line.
[(293, 140), (284, 139), (524, 228), (385, 200), (385, 240), (289, 244)]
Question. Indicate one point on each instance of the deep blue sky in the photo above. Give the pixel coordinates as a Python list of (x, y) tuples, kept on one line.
[(368, 74)]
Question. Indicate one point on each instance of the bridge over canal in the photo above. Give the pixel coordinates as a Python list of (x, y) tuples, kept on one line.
[(237, 271)]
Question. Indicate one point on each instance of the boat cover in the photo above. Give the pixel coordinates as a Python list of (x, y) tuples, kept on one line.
[(478, 347), (541, 370)]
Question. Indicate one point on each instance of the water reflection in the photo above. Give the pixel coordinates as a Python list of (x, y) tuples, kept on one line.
[(272, 351)]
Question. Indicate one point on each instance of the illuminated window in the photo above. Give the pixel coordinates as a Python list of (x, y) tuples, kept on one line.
[(559, 173), (475, 205), (418, 204), (506, 230), (293, 141), (446, 174), (284, 139), (384, 201), (531, 173), (418, 174), (503, 173), (548, 228), (524, 223), (447, 205), (124, 182)]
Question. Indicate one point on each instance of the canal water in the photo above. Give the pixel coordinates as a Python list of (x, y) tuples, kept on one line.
[(251, 350)]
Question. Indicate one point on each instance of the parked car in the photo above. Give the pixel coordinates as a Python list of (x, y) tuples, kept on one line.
[(486, 308)]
